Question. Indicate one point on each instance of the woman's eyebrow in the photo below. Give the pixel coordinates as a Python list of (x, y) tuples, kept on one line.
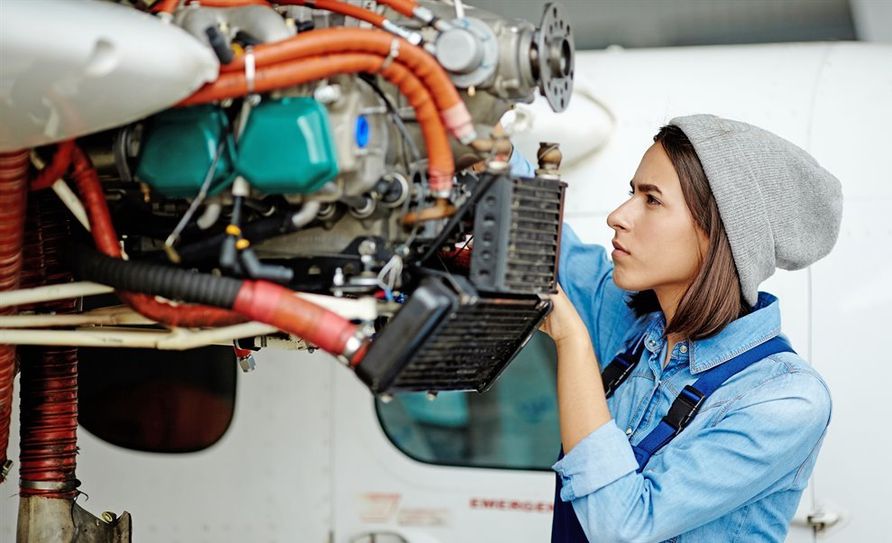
[(646, 187)]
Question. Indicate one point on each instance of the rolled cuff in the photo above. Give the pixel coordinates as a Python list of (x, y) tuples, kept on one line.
[(601, 458)]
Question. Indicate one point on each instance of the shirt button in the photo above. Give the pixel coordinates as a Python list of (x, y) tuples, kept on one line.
[(683, 348), (628, 431)]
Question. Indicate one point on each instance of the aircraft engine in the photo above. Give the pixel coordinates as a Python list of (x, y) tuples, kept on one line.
[(286, 173)]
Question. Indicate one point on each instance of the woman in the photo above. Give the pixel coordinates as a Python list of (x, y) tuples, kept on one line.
[(714, 207)]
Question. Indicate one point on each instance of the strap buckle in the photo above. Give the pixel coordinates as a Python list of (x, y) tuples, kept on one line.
[(617, 372), (684, 408)]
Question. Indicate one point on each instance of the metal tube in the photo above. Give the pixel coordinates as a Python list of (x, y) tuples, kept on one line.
[(52, 292), (176, 340)]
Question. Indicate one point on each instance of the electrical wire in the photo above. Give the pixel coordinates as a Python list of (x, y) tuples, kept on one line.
[(193, 207)]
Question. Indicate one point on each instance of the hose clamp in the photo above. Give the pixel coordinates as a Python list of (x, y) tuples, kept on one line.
[(393, 54), (410, 36), (351, 347), (56, 486), (250, 69)]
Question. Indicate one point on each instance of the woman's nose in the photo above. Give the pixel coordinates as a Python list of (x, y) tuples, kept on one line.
[(618, 218)]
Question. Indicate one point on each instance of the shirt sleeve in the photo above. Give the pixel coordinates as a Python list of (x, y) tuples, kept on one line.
[(757, 446), (520, 166), (586, 275)]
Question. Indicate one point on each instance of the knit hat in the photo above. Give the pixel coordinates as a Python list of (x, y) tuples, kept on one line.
[(779, 207)]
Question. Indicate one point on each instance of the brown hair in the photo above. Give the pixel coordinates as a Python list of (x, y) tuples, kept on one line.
[(713, 299)]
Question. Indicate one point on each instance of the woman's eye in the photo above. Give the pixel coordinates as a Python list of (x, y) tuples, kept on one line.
[(652, 201)]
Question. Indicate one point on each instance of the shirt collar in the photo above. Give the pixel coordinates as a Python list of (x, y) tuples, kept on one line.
[(758, 326)]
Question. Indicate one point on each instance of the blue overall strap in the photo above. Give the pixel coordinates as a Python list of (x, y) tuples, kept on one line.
[(688, 402), (621, 367)]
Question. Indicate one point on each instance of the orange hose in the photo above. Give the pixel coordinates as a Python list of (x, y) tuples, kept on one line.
[(360, 40), (229, 3), (169, 6), (287, 74), (335, 6), (403, 7), (165, 6)]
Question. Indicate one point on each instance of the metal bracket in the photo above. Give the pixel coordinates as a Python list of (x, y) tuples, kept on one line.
[(821, 520), (63, 520)]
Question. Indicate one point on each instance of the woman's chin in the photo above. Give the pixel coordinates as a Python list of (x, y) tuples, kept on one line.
[(625, 283), (620, 281)]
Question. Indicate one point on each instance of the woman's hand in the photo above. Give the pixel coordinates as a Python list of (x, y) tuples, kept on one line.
[(563, 322)]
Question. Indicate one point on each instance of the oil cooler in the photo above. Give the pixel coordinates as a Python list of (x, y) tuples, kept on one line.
[(459, 333)]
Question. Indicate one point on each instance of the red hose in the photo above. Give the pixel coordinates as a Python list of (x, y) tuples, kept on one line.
[(441, 165), (360, 40), (189, 316), (278, 306), (48, 427), (13, 191), (49, 423), (60, 164)]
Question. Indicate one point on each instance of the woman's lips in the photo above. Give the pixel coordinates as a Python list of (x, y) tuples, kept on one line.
[(618, 250)]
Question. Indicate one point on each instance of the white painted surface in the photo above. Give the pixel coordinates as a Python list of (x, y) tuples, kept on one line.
[(72, 67), (873, 20), (267, 479)]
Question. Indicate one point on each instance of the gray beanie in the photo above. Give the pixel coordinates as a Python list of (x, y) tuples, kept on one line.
[(779, 207)]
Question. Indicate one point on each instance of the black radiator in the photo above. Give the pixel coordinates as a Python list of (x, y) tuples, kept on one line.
[(450, 337), (517, 231), (459, 333)]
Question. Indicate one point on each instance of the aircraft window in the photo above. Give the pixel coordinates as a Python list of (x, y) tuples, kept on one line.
[(513, 425), (157, 401)]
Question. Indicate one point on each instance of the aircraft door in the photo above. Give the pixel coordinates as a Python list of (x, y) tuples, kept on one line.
[(458, 467)]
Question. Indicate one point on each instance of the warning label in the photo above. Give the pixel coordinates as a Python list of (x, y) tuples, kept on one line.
[(512, 505)]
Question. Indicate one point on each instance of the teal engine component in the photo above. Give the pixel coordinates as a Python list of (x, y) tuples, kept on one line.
[(178, 149), (287, 147)]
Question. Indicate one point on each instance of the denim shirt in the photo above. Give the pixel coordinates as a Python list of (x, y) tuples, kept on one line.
[(737, 472)]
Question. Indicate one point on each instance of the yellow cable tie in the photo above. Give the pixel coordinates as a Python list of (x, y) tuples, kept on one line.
[(234, 230), (242, 244)]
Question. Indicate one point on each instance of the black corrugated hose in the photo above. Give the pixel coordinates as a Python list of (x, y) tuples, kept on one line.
[(171, 283)]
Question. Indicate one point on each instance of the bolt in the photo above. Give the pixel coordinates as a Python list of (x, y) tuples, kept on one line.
[(385, 398), (367, 247), (108, 517), (247, 363), (327, 94)]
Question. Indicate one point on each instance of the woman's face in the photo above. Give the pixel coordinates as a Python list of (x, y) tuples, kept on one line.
[(657, 243)]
